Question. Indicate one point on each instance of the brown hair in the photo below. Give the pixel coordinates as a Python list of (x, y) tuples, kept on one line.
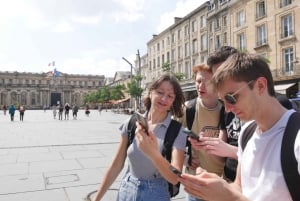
[(243, 67), (177, 107)]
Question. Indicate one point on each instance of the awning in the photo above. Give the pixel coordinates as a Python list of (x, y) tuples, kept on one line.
[(281, 88)]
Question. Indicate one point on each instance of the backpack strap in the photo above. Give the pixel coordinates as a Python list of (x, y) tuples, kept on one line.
[(289, 163), (131, 129), (171, 135), (247, 134), (190, 113)]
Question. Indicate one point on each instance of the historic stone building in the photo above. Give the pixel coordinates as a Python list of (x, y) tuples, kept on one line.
[(265, 27), (35, 90)]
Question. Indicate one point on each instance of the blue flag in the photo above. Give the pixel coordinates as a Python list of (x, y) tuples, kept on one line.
[(55, 73)]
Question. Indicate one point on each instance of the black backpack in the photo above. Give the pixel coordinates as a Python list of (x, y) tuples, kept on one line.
[(289, 163), (171, 134), (190, 116)]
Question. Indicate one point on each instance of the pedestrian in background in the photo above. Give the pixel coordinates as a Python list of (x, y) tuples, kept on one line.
[(60, 111), (67, 109), (11, 111), (54, 107), (75, 111), (22, 111), (4, 109)]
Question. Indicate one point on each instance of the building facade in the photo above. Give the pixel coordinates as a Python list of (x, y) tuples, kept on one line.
[(265, 27), (36, 90)]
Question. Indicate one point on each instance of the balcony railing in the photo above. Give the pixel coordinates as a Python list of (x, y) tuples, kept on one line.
[(281, 74)]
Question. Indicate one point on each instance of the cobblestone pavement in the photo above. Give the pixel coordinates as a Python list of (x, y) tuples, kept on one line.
[(48, 159)]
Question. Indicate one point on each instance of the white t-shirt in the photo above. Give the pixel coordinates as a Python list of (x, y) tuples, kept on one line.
[(261, 174)]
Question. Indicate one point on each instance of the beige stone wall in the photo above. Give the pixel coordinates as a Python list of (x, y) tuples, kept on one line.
[(34, 90)]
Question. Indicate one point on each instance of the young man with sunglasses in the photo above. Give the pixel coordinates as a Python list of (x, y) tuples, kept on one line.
[(244, 82)]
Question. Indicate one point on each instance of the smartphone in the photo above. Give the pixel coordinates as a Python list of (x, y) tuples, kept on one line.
[(142, 120), (210, 131), (191, 134), (175, 171)]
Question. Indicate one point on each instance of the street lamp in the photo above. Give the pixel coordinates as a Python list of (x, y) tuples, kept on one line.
[(130, 104), (130, 67)]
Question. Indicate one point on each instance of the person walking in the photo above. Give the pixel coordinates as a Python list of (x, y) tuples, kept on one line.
[(60, 111), (22, 111), (11, 111), (4, 109), (67, 109), (148, 172), (75, 111), (244, 82), (54, 107)]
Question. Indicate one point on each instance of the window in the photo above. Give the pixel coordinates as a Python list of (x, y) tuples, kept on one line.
[(162, 44), (158, 61), (211, 27), (218, 24), (288, 59), (224, 19), (173, 38), (241, 41), (158, 47), (168, 56), (194, 26), (240, 18), (179, 52), (179, 68), (195, 46), (186, 30), (202, 21), (284, 3), (203, 42), (260, 9), (162, 59), (211, 6), (154, 64), (211, 45), (261, 35), (173, 55), (168, 40), (187, 70), (179, 34), (225, 38), (218, 42), (187, 49), (203, 58), (287, 26)]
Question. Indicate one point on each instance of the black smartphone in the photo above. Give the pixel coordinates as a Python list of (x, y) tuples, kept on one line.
[(175, 171), (210, 131), (191, 134), (142, 120)]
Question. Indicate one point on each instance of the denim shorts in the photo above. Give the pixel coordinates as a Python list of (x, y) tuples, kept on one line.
[(134, 189)]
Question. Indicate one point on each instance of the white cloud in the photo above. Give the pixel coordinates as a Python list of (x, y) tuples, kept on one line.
[(62, 26), (183, 7)]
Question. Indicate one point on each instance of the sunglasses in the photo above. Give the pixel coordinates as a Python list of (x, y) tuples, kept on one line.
[(231, 98)]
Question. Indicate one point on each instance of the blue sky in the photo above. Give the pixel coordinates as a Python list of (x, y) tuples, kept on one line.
[(81, 36)]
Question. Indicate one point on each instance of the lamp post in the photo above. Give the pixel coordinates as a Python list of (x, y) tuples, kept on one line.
[(130, 104)]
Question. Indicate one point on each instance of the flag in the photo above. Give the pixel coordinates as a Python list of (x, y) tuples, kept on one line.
[(55, 73)]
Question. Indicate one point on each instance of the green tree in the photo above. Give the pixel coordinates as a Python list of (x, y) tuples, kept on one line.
[(116, 92), (166, 67), (134, 89)]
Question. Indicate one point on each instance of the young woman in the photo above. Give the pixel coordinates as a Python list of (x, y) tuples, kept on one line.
[(148, 172)]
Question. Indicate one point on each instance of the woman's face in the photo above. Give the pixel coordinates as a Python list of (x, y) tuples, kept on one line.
[(162, 98)]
